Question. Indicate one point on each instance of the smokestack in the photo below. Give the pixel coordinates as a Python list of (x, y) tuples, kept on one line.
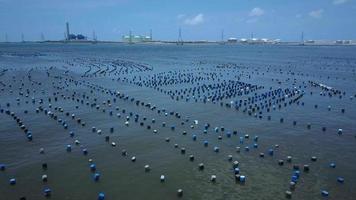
[(67, 26)]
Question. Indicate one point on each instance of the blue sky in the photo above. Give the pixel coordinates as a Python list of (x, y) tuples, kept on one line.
[(199, 19)]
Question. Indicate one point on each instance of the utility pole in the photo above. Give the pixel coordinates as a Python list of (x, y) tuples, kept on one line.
[(42, 37), (6, 38), (22, 38), (222, 37), (180, 40), (94, 37), (151, 34), (130, 37)]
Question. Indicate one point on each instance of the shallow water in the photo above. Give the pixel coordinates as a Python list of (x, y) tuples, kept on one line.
[(69, 71)]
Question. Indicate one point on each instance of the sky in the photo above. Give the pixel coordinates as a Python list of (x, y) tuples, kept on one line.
[(198, 19)]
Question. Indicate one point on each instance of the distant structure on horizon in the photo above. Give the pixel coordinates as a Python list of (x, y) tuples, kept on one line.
[(180, 39), (136, 38), (73, 37)]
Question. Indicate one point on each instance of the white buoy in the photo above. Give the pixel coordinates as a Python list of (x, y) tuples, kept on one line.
[(213, 178), (44, 178), (147, 168), (113, 144), (133, 159), (162, 178)]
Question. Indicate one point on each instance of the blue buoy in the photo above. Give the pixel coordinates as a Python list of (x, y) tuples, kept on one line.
[(96, 177), (92, 167), (236, 170), (206, 143), (194, 137), (12, 181), (270, 152), (247, 148), (255, 145), (2, 167), (71, 134), (101, 196), (242, 179), (241, 140), (297, 173), (294, 178), (47, 192)]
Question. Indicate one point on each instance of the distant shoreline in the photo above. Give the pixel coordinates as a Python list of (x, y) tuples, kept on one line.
[(184, 42)]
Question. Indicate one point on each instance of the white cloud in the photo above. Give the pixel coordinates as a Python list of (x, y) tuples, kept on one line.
[(338, 2), (198, 19), (180, 16), (316, 13), (256, 12)]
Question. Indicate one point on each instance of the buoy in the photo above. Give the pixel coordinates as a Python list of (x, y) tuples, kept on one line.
[(2, 167), (324, 193), (101, 196), (69, 148), (42, 151), (216, 149), (270, 152), (229, 158), (147, 168), (92, 167), (180, 192), (288, 194), (12, 181), (340, 179), (133, 159), (44, 166), (235, 164), (162, 178), (292, 185), (289, 159), (85, 151), (236, 170), (213, 178), (332, 165), (44, 178), (242, 178), (201, 166), (182, 150), (306, 168), (339, 131), (47, 192), (96, 177), (191, 157), (313, 158), (262, 155), (280, 162), (238, 149), (206, 143)]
